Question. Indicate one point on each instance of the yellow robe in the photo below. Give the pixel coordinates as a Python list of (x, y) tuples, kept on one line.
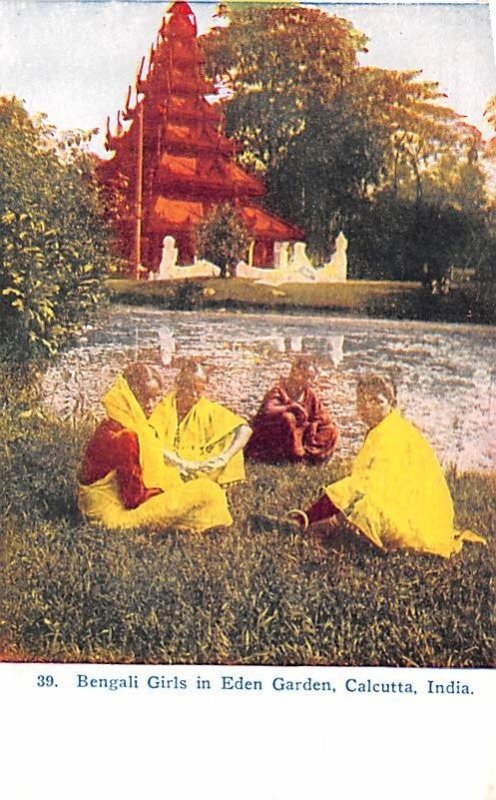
[(397, 494), (197, 505), (205, 431)]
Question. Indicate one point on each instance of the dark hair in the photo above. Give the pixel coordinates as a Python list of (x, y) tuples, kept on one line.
[(375, 384), (137, 373), (189, 366), (302, 363)]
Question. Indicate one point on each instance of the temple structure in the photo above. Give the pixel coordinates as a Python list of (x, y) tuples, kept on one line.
[(172, 162)]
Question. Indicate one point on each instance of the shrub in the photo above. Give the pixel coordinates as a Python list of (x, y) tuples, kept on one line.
[(53, 246), (222, 238)]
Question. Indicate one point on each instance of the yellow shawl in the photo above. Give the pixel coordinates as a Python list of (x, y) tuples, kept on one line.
[(197, 506), (397, 494), (122, 406), (205, 431)]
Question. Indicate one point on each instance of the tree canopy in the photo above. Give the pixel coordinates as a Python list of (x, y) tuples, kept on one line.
[(276, 62), (53, 248), (341, 145)]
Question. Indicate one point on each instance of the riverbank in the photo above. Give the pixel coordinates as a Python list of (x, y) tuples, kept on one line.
[(381, 299), (77, 593)]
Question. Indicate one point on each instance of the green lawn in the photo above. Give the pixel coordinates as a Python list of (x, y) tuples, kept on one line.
[(72, 592), (389, 299)]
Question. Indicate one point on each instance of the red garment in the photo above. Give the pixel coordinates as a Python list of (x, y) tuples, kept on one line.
[(284, 429), (323, 508), (113, 447)]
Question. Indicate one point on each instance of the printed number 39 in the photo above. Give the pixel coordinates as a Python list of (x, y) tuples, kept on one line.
[(45, 680)]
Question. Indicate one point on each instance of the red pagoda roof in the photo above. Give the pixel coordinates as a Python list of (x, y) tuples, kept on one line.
[(184, 84), (267, 226), (184, 52), (197, 137), (170, 215), (180, 7), (171, 149), (244, 183), (207, 174), (179, 108)]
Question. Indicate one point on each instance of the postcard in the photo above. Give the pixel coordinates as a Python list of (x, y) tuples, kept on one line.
[(248, 399)]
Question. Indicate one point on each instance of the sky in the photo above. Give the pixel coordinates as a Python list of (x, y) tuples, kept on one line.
[(73, 59)]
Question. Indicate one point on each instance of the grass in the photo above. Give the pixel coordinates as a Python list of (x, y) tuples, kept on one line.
[(389, 299), (72, 592)]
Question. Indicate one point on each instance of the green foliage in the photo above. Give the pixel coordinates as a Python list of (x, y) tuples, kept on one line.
[(394, 238), (272, 59), (222, 238), (40, 455), (75, 592), (52, 235), (345, 147), (327, 173)]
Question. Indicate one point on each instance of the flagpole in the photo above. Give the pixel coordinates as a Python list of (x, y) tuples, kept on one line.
[(139, 193)]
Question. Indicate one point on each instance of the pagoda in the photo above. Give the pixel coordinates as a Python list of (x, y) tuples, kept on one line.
[(172, 161)]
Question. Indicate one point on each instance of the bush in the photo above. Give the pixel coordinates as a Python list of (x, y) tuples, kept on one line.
[(222, 238), (53, 246)]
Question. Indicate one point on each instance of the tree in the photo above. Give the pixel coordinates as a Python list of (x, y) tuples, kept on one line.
[(275, 62), (327, 174), (490, 114), (222, 238), (330, 137), (52, 235)]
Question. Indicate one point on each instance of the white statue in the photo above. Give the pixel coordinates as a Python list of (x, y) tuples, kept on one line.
[(299, 260), (243, 270), (298, 269), (335, 271), (281, 255), (202, 268), (273, 277), (169, 270), (169, 259)]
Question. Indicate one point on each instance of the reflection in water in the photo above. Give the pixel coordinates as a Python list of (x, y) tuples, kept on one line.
[(166, 345), (336, 349), (445, 374)]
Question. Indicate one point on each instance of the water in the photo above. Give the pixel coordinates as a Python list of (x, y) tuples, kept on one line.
[(446, 374)]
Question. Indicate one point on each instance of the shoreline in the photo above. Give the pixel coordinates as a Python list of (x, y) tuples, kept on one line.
[(388, 300), (303, 315)]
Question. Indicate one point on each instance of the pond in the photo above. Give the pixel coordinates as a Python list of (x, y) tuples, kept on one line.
[(446, 374)]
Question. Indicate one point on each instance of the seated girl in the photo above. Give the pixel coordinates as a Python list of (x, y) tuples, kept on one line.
[(292, 424), (199, 436), (124, 482), (396, 495)]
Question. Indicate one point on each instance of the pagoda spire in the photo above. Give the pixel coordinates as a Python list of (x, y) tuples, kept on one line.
[(180, 20), (171, 159)]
